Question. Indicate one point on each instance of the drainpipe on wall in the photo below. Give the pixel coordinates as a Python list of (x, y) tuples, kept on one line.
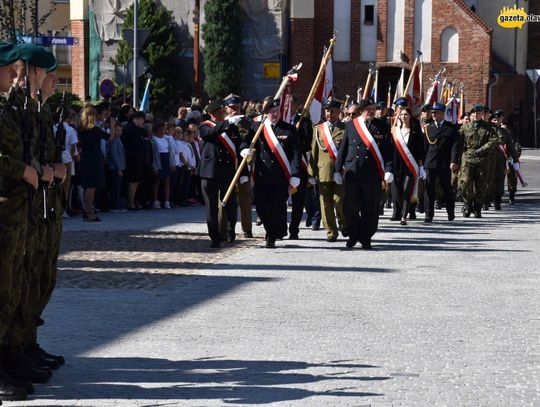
[(490, 88)]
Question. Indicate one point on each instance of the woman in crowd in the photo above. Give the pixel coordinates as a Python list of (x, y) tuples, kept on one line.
[(134, 145), (408, 156), (92, 160)]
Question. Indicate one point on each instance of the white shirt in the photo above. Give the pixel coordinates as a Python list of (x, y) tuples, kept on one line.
[(188, 153), (162, 143), (177, 149)]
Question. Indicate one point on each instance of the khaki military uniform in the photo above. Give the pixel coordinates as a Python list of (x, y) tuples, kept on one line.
[(477, 140), (331, 194)]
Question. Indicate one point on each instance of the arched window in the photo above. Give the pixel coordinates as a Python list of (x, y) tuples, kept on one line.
[(449, 45)]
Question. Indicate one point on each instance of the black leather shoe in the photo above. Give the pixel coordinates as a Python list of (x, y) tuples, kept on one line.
[(9, 392), (293, 236), (231, 237), (350, 243), (270, 244), (60, 359), (428, 219), (248, 235), (215, 245), (412, 216), (315, 226), (366, 246), (331, 239), (451, 217), (497, 206), (41, 360), (27, 386)]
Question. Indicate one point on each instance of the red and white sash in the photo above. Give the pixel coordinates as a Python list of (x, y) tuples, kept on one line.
[(224, 140), (407, 156), (371, 144), (326, 135), (276, 148)]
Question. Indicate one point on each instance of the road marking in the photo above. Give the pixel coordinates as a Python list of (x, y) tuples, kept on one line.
[(529, 157)]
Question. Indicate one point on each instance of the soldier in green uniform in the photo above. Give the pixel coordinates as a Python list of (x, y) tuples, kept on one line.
[(477, 140), (506, 157), (20, 362), (326, 139), (17, 179), (492, 159), (511, 177)]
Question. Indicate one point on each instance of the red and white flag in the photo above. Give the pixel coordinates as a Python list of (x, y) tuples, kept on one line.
[(434, 93), (451, 113), (324, 91), (285, 107), (400, 86), (414, 95)]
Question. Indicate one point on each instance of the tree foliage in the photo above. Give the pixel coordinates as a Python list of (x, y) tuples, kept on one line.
[(20, 17), (222, 47), (159, 51)]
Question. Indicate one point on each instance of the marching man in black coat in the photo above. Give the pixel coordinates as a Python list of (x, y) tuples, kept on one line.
[(277, 168), (365, 154), (442, 157), (219, 158)]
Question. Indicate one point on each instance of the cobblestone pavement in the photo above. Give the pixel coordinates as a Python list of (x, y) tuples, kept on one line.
[(436, 315)]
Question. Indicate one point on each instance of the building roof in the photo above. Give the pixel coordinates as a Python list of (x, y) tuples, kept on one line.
[(473, 15)]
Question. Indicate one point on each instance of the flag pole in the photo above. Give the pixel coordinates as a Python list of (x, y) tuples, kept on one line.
[(368, 81), (406, 90), (327, 55), (284, 82)]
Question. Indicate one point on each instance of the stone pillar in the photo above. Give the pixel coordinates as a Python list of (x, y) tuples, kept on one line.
[(80, 52)]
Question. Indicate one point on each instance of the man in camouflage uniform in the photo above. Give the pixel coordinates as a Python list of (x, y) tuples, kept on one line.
[(492, 162), (17, 180), (477, 141), (506, 157)]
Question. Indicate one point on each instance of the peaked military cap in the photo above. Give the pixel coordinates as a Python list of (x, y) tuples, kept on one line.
[(365, 103), (380, 105), (270, 103), (231, 100), (37, 56), (9, 53), (214, 106), (477, 108), (438, 107), (498, 113), (426, 107), (401, 102), (331, 103)]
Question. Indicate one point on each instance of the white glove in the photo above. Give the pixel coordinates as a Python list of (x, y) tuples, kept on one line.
[(338, 178), (235, 119), (422, 172), (244, 179), (388, 177), (295, 181), (312, 181), (516, 166), (246, 152)]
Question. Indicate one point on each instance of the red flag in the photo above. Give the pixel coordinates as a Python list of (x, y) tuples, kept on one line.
[(324, 91)]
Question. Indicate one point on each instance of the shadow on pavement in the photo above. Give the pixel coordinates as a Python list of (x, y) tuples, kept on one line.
[(231, 381)]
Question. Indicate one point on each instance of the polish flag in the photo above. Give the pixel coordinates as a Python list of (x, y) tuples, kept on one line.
[(324, 90), (414, 95)]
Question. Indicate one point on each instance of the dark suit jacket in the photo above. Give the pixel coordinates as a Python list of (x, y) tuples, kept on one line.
[(444, 149), (355, 157), (216, 161), (267, 168), (416, 145)]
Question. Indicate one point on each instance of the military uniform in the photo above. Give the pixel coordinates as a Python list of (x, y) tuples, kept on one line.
[(477, 140), (322, 168), (511, 177), (505, 156)]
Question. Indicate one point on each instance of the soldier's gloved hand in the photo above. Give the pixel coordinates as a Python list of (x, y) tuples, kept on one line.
[(246, 152), (30, 176), (422, 172), (244, 179), (295, 182), (235, 119), (389, 177), (516, 166), (312, 181), (338, 178)]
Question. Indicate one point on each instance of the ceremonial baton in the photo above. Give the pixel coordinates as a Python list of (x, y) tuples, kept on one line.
[(284, 83)]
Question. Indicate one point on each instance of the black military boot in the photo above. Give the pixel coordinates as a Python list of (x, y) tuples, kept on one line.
[(60, 359), (412, 212), (497, 204), (10, 392), (511, 199), (21, 368), (477, 210), (37, 355)]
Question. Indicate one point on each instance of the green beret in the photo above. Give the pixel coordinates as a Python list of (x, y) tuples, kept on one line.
[(55, 65), (9, 53), (37, 56)]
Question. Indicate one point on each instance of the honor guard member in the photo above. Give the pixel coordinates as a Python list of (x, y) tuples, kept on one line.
[(327, 137), (220, 153), (477, 141), (506, 157), (17, 181), (245, 128), (21, 360), (513, 170), (442, 157), (277, 167), (365, 155), (426, 116)]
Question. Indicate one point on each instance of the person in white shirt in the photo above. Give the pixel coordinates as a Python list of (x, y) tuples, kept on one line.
[(163, 164)]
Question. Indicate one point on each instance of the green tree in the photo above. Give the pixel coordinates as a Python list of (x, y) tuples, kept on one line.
[(159, 51), (222, 47), (20, 17)]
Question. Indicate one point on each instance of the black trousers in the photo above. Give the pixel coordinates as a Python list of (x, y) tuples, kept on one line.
[(361, 205), (213, 190), (271, 204), (444, 177), (298, 200), (401, 190)]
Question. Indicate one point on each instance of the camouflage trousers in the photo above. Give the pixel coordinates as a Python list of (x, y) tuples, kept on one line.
[(13, 225), (499, 175), (511, 179), (473, 183)]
